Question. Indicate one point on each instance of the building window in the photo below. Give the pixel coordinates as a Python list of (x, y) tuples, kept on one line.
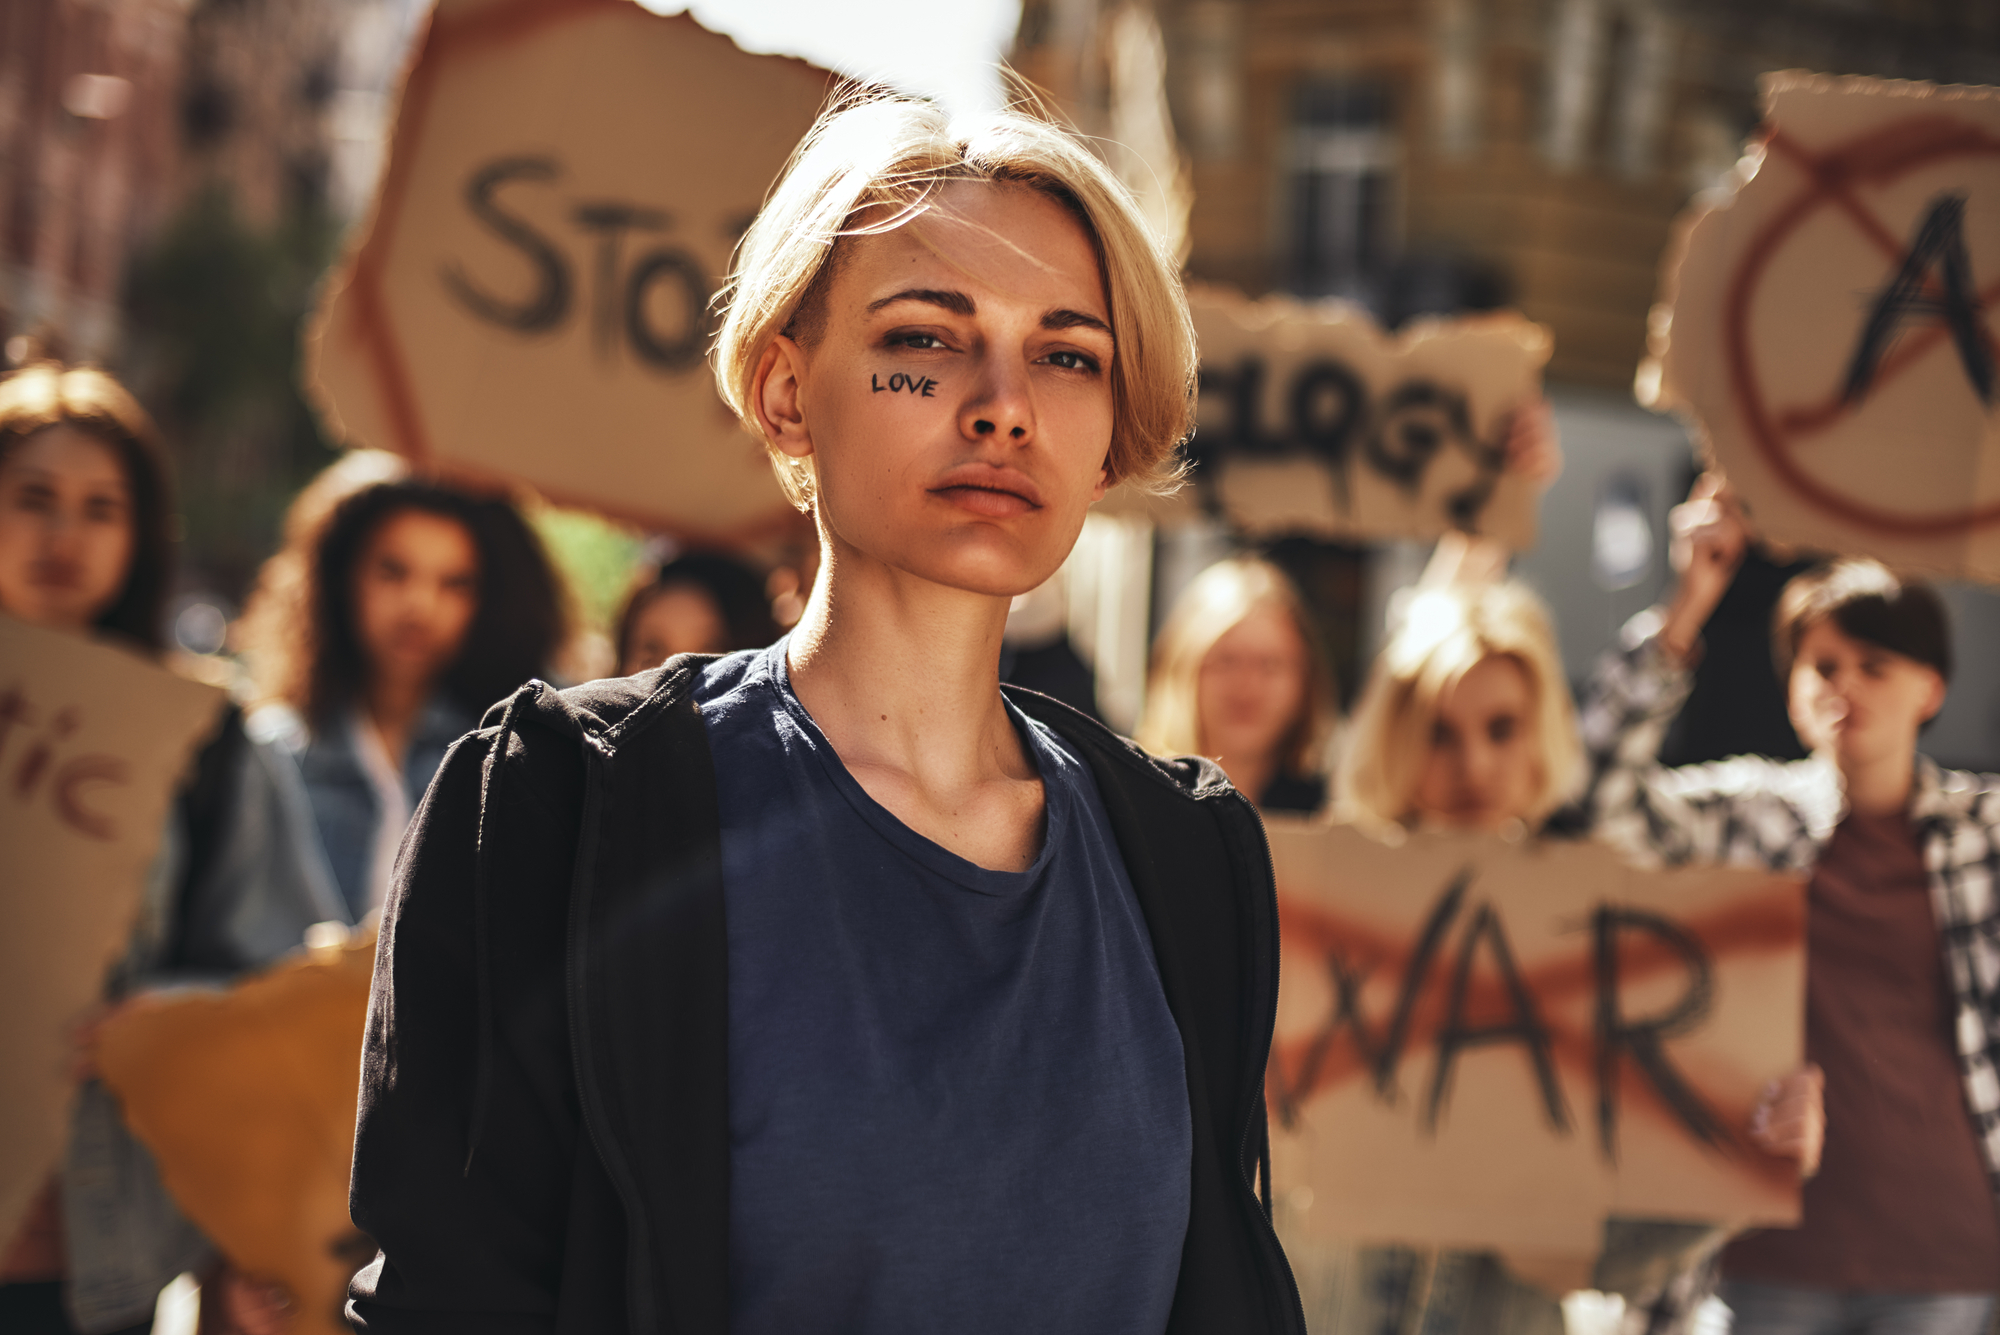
[(1340, 186)]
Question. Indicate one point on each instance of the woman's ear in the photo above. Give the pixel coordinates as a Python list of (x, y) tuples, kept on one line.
[(777, 393)]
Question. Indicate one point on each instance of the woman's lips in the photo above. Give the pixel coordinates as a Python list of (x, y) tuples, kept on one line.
[(991, 503), (995, 493)]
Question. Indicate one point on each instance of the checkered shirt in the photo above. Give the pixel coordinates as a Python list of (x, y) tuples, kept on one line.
[(1754, 811)]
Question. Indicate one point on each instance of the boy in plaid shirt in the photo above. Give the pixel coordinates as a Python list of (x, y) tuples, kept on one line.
[(1899, 1231)]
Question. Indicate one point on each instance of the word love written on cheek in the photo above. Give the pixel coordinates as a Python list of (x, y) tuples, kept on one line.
[(33, 769), (900, 383)]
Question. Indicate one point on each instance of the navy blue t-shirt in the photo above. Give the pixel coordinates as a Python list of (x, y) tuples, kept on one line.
[(956, 1096)]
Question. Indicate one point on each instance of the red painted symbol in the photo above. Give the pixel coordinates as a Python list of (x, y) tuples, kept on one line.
[(1336, 1051), (1834, 179)]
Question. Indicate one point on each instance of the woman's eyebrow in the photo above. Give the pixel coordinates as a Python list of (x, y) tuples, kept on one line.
[(1068, 319), (955, 302)]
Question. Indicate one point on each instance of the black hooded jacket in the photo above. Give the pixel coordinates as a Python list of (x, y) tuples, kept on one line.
[(544, 1133)]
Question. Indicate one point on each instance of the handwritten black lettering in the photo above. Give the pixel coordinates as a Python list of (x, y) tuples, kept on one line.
[(609, 222), (899, 383), (1526, 1026), (682, 269), (1642, 1038), (1939, 244), (550, 302)]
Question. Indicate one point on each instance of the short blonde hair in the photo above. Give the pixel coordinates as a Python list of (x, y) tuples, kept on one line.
[(1212, 605), (871, 163), (1444, 634)]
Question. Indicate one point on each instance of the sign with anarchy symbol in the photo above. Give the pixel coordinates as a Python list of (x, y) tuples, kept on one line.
[(1833, 322)]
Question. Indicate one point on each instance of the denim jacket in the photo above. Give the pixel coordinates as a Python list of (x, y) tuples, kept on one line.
[(344, 808)]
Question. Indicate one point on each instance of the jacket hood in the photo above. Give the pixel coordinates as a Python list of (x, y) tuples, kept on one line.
[(602, 714)]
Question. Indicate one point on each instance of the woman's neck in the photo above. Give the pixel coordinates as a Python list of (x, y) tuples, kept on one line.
[(903, 677), (903, 670)]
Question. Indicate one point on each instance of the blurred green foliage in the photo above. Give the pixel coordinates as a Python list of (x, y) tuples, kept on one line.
[(215, 308), (596, 556)]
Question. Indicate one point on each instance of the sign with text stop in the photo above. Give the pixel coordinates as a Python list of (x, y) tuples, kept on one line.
[(530, 300)]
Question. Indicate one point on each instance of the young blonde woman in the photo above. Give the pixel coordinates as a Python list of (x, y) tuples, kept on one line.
[(1466, 723), (1238, 675), (829, 987)]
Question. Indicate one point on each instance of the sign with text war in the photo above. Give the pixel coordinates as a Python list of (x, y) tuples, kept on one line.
[(93, 742), (246, 1099), (1491, 1045), (1833, 321), (1313, 420), (530, 299)]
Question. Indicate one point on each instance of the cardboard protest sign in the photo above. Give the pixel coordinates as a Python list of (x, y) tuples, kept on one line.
[(1313, 420), (247, 1100), (1491, 1045), (93, 742), (531, 297), (1833, 322)]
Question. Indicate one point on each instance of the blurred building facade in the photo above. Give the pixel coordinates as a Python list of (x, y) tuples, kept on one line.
[(174, 177), (89, 93), (1432, 155)]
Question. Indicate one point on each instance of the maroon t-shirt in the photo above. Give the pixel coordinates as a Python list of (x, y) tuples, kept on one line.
[(1902, 1201)]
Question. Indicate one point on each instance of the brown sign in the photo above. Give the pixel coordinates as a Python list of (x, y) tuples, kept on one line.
[(1491, 1045), (532, 297), (247, 1100), (93, 741), (1832, 322), (1314, 420)]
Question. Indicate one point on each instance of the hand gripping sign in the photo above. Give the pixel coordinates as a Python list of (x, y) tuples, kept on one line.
[(1832, 322), (530, 299), (1313, 420), (93, 742), (247, 1100), (1491, 1045)]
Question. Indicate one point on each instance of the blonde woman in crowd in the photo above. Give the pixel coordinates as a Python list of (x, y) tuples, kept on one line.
[(1466, 724), (1238, 676)]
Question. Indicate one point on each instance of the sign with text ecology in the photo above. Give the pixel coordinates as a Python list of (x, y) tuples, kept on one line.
[(1482, 1044), (1314, 419), (1831, 321), (531, 299)]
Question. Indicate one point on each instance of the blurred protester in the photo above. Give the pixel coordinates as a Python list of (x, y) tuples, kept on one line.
[(1899, 1229), (862, 1027), (85, 547), (1238, 675), (697, 603), (1466, 723), (398, 610)]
